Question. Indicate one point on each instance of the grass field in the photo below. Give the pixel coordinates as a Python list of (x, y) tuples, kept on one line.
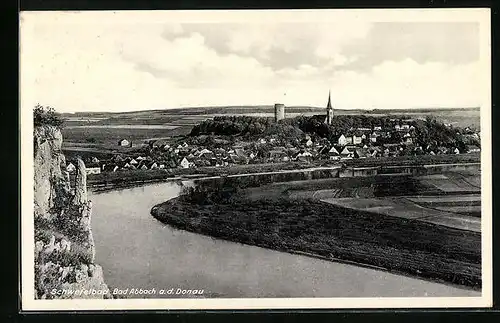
[(402, 208), (459, 117), (107, 135)]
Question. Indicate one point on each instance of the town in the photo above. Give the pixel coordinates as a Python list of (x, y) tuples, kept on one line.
[(226, 141)]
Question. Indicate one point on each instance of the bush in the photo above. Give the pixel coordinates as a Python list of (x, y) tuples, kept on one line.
[(46, 116)]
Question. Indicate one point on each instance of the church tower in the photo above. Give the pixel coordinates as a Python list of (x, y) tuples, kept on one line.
[(329, 110)]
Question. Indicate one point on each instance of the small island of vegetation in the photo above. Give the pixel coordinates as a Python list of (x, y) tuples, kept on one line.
[(314, 228)]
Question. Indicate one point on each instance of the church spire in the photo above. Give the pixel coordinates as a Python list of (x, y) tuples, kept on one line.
[(329, 105), (329, 110)]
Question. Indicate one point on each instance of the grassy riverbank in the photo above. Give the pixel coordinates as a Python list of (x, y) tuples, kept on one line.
[(130, 178), (394, 244)]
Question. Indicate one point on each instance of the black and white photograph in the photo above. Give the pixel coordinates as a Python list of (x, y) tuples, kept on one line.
[(256, 159)]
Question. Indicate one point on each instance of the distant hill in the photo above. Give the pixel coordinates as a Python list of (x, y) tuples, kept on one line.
[(258, 109)]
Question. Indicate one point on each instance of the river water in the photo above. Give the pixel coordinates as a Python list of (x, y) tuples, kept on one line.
[(137, 251)]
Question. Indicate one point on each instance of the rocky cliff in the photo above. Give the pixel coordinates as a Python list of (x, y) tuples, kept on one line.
[(64, 246)]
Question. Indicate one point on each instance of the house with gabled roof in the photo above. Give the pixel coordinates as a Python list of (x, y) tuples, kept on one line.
[(202, 152), (361, 153), (70, 168), (185, 163), (303, 155), (346, 153), (342, 140), (333, 154)]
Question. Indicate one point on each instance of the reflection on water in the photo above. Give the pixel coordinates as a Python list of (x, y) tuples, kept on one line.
[(137, 251)]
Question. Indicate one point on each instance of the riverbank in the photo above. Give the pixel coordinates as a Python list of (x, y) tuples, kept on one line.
[(278, 172), (319, 229)]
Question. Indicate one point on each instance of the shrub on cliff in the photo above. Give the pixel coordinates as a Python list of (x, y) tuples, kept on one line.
[(46, 116)]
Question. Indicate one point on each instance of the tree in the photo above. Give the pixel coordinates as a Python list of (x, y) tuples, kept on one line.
[(46, 116)]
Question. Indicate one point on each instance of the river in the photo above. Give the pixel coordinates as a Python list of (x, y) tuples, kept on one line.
[(137, 251)]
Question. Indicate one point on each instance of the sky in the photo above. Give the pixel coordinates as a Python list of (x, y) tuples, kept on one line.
[(125, 62)]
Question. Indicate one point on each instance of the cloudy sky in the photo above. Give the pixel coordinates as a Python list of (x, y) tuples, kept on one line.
[(115, 62)]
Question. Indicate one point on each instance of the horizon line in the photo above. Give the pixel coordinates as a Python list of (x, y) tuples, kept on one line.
[(272, 105)]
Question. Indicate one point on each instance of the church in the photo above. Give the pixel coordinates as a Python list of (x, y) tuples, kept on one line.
[(329, 110)]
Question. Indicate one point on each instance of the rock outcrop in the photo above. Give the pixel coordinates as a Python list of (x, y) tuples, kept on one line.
[(80, 184), (50, 166), (64, 246)]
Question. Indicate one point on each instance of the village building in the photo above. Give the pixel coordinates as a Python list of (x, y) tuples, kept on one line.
[(184, 163), (361, 153), (204, 151), (333, 154), (303, 155), (356, 140), (473, 149), (70, 168), (342, 140), (93, 170), (346, 153), (124, 143)]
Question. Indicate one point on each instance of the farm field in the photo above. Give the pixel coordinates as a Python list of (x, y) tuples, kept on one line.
[(450, 185), (111, 135), (424, 198), (459, 204), (459, 117), (453, 200), (402, 209)]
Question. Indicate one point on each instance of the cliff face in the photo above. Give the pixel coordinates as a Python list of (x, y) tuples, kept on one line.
[(64, 246)]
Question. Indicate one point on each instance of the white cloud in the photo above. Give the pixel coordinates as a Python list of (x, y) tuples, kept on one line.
[(75, 67)]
